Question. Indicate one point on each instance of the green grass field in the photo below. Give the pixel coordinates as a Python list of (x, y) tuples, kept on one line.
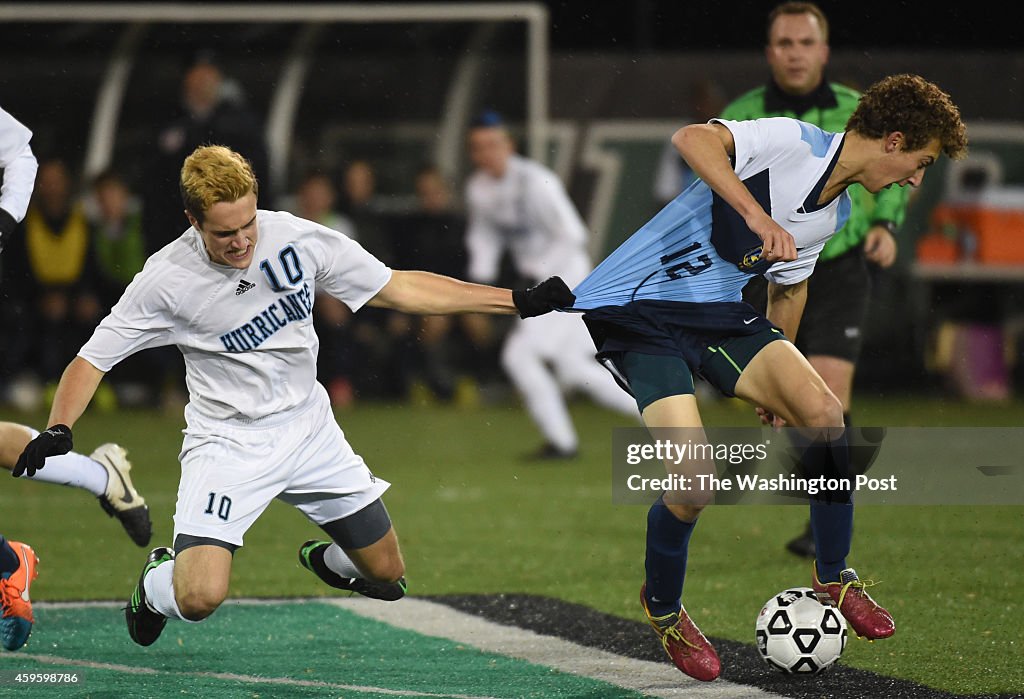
[(475, 518)]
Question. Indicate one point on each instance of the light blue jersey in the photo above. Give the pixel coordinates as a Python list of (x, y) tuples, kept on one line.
[(698, 249)]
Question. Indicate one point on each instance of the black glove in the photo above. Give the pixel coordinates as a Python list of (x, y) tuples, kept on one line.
[(54, 442), (550, 294)]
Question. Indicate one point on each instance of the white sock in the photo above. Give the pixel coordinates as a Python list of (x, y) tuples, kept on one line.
[(160, 592), (341, 564), (73, 469)]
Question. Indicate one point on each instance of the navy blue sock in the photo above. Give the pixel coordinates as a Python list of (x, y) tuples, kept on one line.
[(832, 513), (9, 561), (832, 524), (668, 539)]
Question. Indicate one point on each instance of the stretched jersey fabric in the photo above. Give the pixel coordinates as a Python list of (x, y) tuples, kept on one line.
[(528, 212), (246, 334), (698, 249)]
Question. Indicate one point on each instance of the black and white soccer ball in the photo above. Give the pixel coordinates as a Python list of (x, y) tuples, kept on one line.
[(796, 633)]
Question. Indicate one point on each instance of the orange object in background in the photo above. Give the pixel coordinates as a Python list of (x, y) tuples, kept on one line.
[(999, 234), (940, 245), (974, 233), (936, 248)]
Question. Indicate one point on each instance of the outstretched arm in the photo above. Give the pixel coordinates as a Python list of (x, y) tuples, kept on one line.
[(76, 388), (425, 293)]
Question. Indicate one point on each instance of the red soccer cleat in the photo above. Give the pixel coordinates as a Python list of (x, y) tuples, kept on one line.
[(15, 605), (855, 604), (684, 643)]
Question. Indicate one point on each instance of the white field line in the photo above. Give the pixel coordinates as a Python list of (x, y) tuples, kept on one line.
[(649, 678), (434, 619)]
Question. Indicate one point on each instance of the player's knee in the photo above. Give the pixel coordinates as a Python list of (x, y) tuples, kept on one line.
[(686, 512), (199, 603), (825, 411)]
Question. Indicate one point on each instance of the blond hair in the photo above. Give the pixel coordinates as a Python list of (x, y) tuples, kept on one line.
[(212, 174)]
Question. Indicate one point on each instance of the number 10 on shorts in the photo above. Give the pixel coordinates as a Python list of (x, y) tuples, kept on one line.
[(223, 504)]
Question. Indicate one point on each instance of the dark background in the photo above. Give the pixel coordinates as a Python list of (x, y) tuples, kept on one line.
[(681, 25), (650, 25)]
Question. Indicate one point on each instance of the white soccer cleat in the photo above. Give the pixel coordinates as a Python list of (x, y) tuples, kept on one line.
[(121, 500)]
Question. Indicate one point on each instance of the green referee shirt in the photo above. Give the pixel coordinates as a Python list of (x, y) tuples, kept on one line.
[(829, 106)]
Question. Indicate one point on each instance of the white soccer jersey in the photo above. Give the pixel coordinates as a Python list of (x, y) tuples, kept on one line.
[(795, 178), (18, 164), (528, 212), (246, 335)]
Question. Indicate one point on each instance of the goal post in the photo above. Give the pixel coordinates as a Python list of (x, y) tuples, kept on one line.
[(284, 103)]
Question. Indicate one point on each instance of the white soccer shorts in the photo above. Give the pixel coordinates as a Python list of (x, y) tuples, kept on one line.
[(231, 470)]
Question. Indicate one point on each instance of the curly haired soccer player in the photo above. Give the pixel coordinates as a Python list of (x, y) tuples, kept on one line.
[(667, 304), (235, 294)]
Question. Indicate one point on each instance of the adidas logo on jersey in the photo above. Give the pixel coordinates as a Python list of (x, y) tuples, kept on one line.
[(244, 286)]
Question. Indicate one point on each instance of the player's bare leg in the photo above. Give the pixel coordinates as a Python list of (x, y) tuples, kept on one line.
[(780, 380), (200, 580), (13, 440), (363, 557), (380, 561), (670, 522), (188, 587), (677, 412), (104, 473), (838, 375)]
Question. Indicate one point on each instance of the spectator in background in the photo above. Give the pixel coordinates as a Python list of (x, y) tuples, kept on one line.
[(381, 334), (318, 198), (359, 205), (54, 266), (211, 112), (432, 238), (315, 200), (831, 331), (118, 240), (119, 247), (519, 205)]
